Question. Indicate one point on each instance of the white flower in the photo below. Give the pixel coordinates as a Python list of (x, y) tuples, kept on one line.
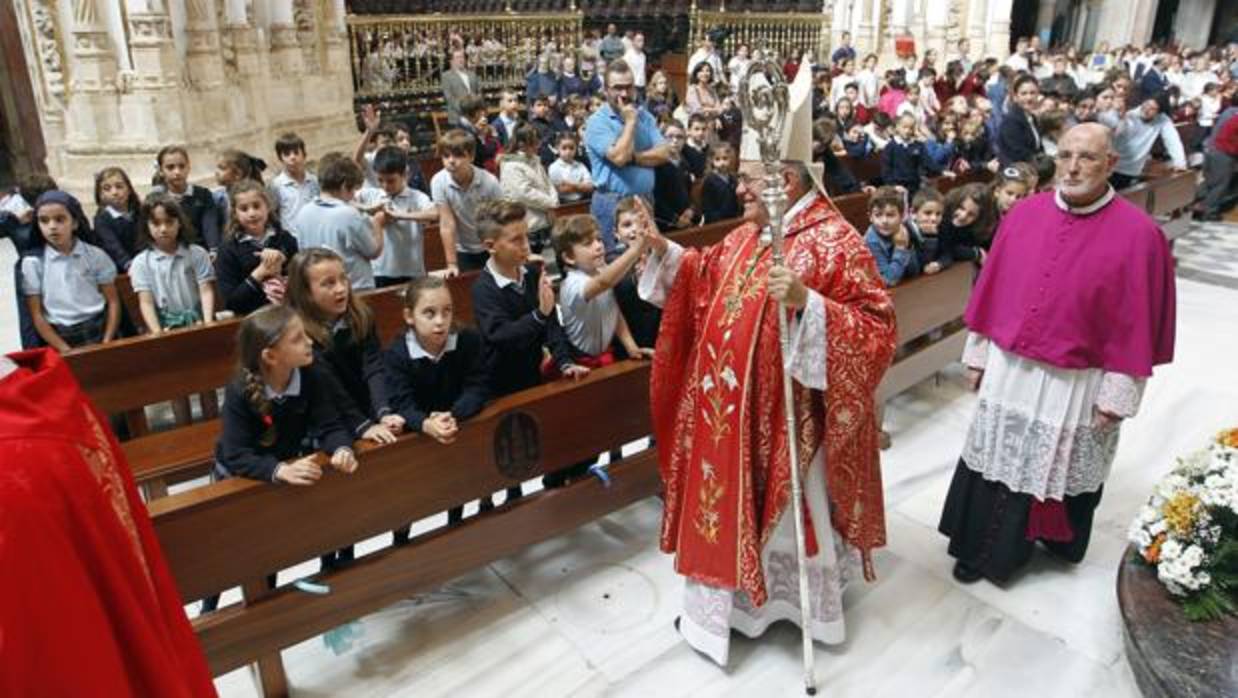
[(1177, 565), (1173, 483), (1140, 537), (707, 384), (729, 377)]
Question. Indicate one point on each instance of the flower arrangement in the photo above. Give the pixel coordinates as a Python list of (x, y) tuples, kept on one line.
[(1188, 530)]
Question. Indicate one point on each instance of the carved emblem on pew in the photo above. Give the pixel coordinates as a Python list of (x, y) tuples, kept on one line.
[(517, 445)]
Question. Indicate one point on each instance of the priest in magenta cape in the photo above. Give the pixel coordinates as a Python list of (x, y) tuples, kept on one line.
[(87, 606), (1073, 308), (718, 414)]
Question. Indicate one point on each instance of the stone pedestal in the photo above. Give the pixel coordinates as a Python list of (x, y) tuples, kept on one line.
[(1169, 655)]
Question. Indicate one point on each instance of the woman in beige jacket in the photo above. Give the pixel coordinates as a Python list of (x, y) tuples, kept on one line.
[(525, 180)]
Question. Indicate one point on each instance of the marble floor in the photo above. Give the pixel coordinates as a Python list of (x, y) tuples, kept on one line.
[(589, 613)]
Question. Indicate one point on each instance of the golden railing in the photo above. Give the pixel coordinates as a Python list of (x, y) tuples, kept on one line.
[(789, 34), (405, 56)]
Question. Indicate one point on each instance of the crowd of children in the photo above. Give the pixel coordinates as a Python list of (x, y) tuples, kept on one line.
[(290, 257)]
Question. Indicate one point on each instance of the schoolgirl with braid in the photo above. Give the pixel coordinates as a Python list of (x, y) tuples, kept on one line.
[(278, 412), (280, 409)]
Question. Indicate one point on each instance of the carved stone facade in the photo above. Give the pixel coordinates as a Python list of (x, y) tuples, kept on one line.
[(113, 85), (935, 24), (939, 24)]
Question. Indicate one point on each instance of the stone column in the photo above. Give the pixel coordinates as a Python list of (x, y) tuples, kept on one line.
[(1193, 23), (248, 58), (286, 82), (94, 61), (202, 49), (91, 114), (937, 27), (286, 58), (977, 11), (247, 69), (998, 36), (150, 45), (307, 22), (841, 22), (865, 37)]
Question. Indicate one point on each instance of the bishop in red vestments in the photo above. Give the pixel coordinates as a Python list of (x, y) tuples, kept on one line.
[(720, 425), (87, 605)]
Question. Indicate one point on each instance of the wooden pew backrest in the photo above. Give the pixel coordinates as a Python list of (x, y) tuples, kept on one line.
[(219, 535), (854, 208), (138, 371), (924, 303)]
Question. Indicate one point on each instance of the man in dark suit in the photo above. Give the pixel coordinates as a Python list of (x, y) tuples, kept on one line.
[(1153, 81), (458, 82), (504, 124)]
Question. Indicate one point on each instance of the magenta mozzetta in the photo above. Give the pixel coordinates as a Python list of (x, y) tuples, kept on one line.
[(1103, 299)]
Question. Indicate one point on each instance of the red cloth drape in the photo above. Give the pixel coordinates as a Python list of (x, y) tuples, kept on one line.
[(87, 605)]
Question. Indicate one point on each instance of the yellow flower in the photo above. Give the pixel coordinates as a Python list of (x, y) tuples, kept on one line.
[(1179, 513), (1228, 438)]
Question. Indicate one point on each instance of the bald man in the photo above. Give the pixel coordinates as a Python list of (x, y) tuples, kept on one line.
[(1073, 308)]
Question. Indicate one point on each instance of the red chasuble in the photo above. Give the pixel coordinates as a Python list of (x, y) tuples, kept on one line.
[(87, 605), (718, 407)]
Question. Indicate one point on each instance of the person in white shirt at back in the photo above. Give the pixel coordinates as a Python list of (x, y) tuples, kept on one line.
[(737, 67), (569, 176), (634, 54), (1018, 59)]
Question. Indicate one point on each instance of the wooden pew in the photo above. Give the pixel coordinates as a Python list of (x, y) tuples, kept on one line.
[(854, 208), (209, 536), (1170, 201), (865, 170), (1139, 194), (201, 529), (235, 532), (129, 301), (922, 306), (202, 358), (126, 375)]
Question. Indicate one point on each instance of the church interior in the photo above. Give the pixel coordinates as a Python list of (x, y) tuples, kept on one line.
[(564, 591)]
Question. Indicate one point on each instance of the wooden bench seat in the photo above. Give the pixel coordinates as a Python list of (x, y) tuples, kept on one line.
[(924, 305), (1170, 201), (120, 379), (236, 531)]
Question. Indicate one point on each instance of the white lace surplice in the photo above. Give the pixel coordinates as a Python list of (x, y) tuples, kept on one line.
[(1033, 429), (711, 612)]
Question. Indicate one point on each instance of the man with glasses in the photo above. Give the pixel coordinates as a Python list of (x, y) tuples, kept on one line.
[(624, 147), (1073, 308)]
